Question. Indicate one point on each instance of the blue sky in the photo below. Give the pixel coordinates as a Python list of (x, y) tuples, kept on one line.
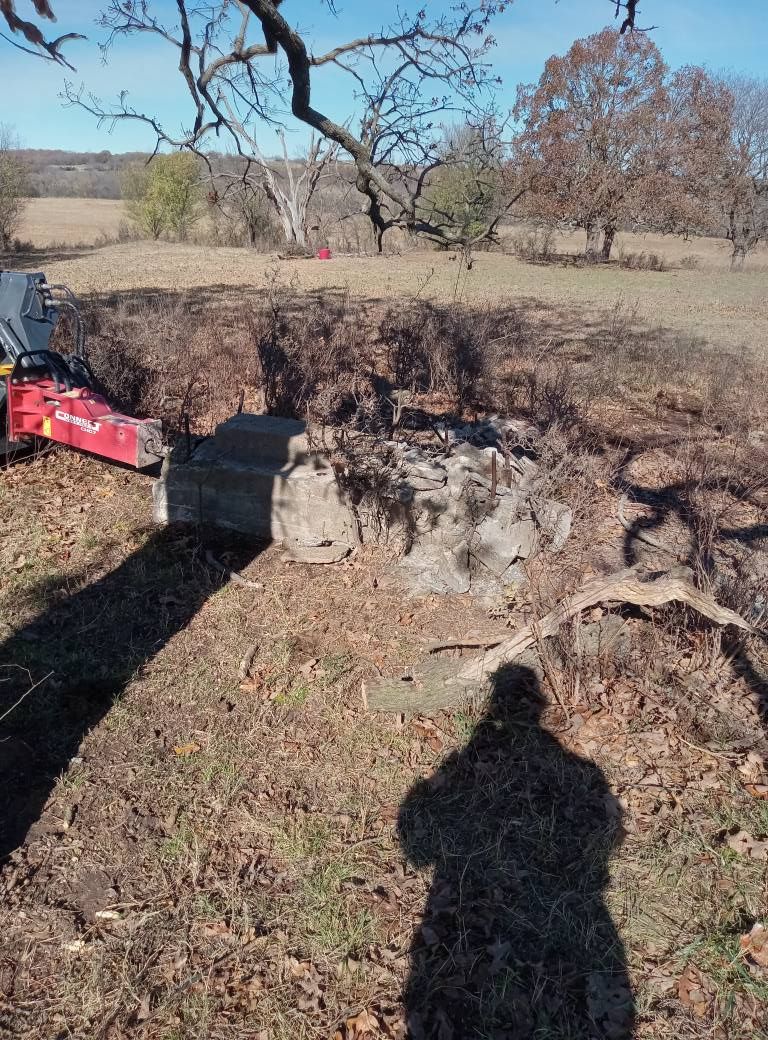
[(721, 34)]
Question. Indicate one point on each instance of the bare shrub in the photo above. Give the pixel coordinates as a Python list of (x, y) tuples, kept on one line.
[(241, 218), (448, 349), (311, 360), (339, 361), (166, 355), (124, 376), (718, 479), (679, 371), (534, 245), (690, 262), (641, 261), (570, 469), (553, 395)]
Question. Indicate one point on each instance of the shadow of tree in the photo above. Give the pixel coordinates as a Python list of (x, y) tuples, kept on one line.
[(516, 940), (38, 257), (80, 653)]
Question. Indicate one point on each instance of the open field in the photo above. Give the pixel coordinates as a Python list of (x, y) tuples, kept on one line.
[(50, 221), (205, 834), (723, 309), (71, 221)]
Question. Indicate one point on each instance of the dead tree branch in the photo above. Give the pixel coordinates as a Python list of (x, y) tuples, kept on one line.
[(403, 81), (50, 50), (439, 684)]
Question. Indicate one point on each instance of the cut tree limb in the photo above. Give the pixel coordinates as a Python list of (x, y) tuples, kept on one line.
[(438, 684), (246, 663)]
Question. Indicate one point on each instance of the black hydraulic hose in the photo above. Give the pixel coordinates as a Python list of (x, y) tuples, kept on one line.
[(71, 303), (54, 364), (79, 327), (60, 371), (81, 371)]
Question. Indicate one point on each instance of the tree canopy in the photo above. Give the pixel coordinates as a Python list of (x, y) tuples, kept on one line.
[(609, 138), (165, 196)]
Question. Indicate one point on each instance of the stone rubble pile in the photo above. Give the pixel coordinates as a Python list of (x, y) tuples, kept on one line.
[(466, 511), (469, 529)]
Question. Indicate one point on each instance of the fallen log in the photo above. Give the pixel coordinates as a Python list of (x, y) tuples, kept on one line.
[(438, 684)]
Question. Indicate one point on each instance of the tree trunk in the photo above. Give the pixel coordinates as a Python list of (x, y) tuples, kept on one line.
[(743, 242), (610, 234), (738, 256), (593, 242), (437, 684)]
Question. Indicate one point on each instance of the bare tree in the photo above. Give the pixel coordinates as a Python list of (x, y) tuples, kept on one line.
[(288, 184), (741, 182), (629, 20), (51, 49), (240, 59), (32, 34), (14, 187)]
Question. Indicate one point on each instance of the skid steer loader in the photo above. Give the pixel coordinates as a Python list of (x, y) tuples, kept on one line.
[(51, 395)]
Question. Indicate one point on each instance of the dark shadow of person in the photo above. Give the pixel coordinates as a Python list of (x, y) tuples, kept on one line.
[(516, 941)]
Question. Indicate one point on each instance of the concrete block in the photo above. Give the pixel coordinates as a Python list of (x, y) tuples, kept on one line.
[(497, 544), (266, 439), (254, 485), (434, 569)]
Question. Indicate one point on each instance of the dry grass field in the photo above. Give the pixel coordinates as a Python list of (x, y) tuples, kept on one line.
[(196, 849), (723, 309), (67, 221), (709, 302)]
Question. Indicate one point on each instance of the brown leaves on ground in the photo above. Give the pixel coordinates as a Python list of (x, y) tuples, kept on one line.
[(695, 991), (365, 1024), (754, 949), (183, 750), (743, 843), (227, 808)]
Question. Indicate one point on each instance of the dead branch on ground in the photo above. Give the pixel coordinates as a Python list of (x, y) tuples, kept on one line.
[(438, 684)]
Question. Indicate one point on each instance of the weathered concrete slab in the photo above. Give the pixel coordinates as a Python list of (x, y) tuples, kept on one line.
[(463, 517), (258, 476), (436, 569), (499, 541), (265, 439)]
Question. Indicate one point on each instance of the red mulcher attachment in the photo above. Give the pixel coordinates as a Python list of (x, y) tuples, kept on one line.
[(47, 394)]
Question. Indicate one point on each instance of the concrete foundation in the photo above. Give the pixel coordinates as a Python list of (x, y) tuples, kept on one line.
[(257, 475), (465, 515)]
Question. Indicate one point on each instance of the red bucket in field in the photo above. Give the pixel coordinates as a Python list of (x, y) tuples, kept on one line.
[(324, 253)]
